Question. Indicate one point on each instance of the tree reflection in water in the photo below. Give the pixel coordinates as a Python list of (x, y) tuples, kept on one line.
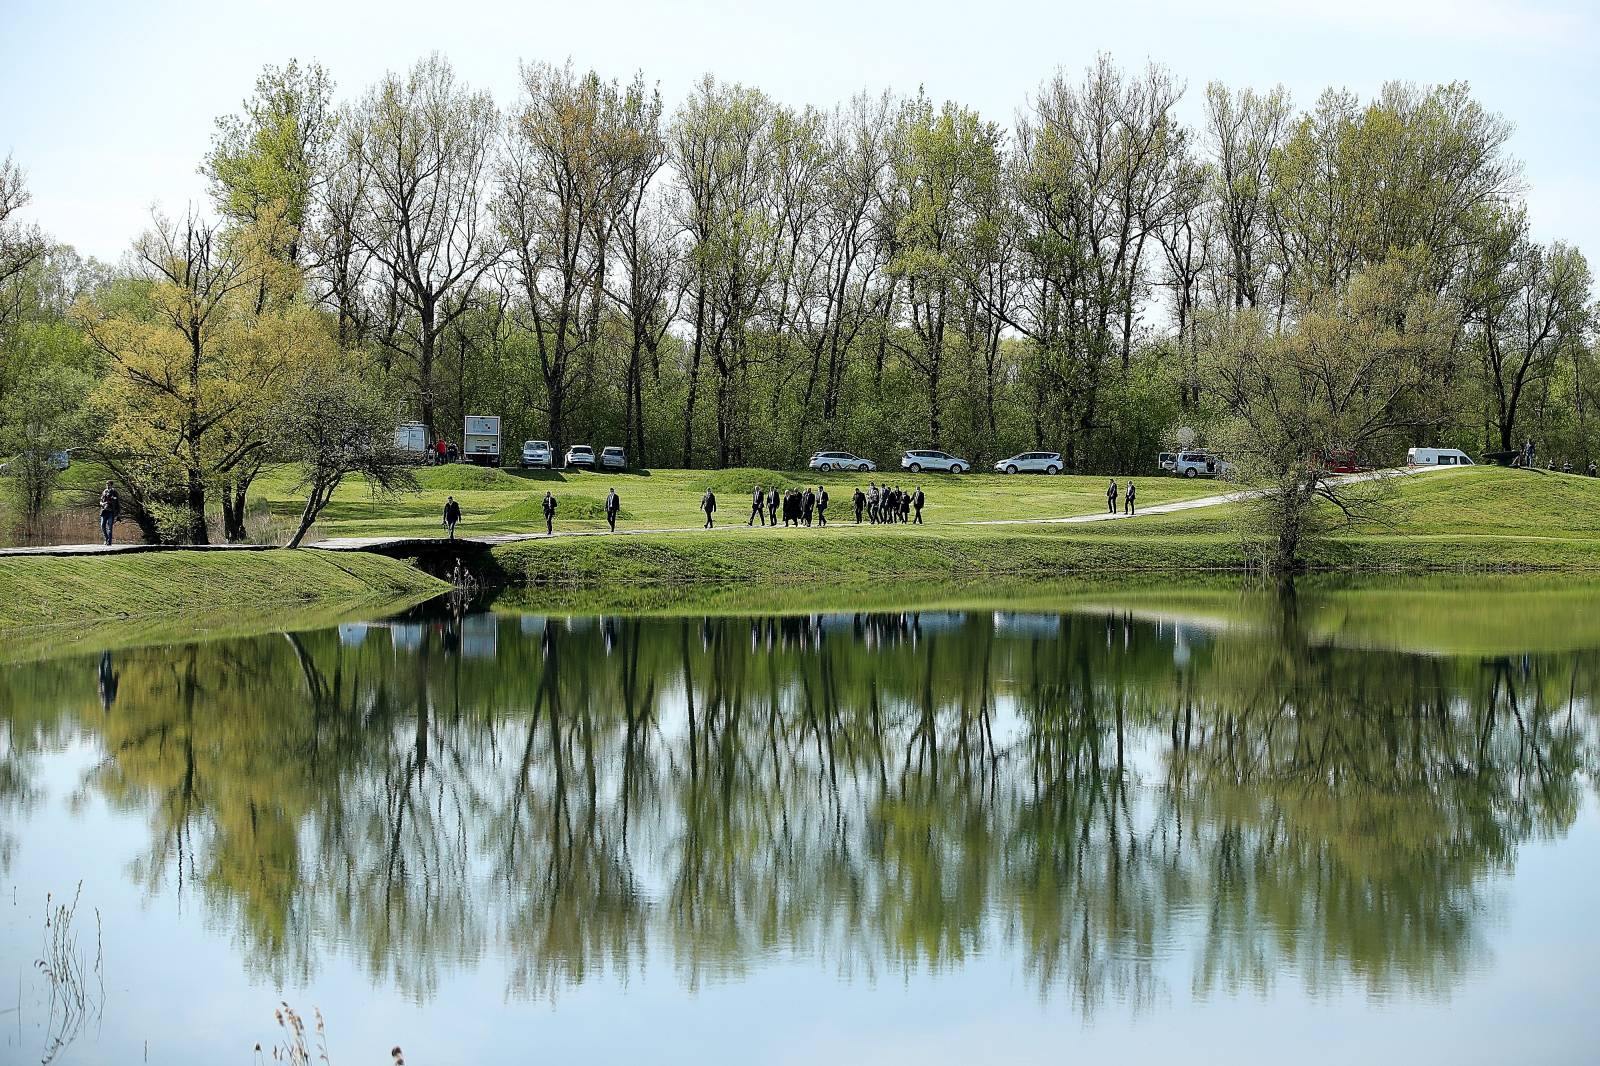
[(1093, 793)]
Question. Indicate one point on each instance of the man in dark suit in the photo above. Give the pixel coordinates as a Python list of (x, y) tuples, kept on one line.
[(860, 500), (822, 506), (613, 505), (808, 504), (708, 504), (917, 500), (549, 507), (772, 507), (757, 498)]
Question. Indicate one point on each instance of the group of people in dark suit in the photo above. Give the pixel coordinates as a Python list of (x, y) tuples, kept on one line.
[(800, 507), (889, 504)]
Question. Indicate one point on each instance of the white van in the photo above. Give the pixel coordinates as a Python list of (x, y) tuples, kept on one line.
[(1437, 457)]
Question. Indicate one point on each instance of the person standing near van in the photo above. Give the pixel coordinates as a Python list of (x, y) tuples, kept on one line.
[(452, 515), (548, 505), (708, 504), (1127, 500), (613, 505), (111, 509), (1111, 497)]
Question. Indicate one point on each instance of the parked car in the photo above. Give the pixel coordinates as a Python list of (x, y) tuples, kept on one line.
[(613, 458), (411, 440), (536, 453), (1200, 464), (580, 455), (1031, 463), (841, 461), (1344, 462), (1437, 457), (919, 461), (1167, 461)]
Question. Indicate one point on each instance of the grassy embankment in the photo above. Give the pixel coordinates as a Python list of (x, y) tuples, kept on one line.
[(161, 595), (507, 501), (1486, 519)]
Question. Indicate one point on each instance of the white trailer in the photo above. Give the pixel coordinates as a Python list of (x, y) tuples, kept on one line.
[(411, 438), (480, 440)]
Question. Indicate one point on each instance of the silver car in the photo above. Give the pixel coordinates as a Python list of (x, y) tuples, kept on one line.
[(918, 461), (1031, 463), (841, 461), (613, 458), (536, 453)]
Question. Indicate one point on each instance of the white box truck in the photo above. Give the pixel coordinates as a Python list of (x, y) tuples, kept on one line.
[(411, 438), (480, 440)]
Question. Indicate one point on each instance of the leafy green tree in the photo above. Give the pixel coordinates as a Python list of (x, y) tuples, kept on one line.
[(1351, 375), (331, 422)]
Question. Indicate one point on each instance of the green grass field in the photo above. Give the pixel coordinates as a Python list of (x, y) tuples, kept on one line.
[(1477, 520), (507, 501), (1473, 520)]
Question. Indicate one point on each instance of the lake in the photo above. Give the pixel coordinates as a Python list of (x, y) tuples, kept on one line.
[(1198, 824)]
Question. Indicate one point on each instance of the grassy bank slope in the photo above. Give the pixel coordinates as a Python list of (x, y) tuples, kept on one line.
[(507, 501), (202, 588), (1474, 520)]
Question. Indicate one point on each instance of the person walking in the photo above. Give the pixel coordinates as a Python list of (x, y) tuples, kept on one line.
[(859, 498), (708, 504), (917, 500), (757, 514), (548, 504), (613, 505), (905, 507), (822, 506), (772, 507), (1111, 497), (872, 503), (808, 505), (110, 511), (452, 515), (1127, 500)]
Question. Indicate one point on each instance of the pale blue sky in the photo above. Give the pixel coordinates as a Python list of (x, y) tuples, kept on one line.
[(109, 106)]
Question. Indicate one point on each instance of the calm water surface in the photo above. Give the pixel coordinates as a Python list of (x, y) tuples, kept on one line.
[(1196, 827)]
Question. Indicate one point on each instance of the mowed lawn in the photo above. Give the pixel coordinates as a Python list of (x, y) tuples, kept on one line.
[(507, 501)]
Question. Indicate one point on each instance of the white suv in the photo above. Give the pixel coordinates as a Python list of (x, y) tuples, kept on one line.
[(580, 455), (841, 461), (613, 458), (931, 460), (536, 453), (1031, 463)]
